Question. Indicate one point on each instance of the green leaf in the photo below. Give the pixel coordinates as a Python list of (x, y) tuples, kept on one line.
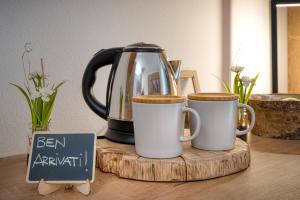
[(36, 112), (48, 107), (34, 116), (40, 80), (241, 91), (250, 88), (58, 85), (33, 113), (39, 109), (34, 83), (26, 97), (244, 95), (227, 87), (236, 83)]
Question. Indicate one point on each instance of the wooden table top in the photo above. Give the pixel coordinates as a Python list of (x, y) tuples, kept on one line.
[(274, 173)]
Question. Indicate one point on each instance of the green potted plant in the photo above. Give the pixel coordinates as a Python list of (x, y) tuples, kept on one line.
[(242, 86), (39, 94)]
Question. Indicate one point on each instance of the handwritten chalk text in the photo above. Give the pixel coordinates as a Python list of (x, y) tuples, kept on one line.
[(69, 161), (50, 142)]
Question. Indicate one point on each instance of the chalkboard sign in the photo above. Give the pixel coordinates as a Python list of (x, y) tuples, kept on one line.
[(62, 157)]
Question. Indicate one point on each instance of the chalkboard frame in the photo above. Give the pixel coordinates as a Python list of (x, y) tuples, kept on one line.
[(62, 181)]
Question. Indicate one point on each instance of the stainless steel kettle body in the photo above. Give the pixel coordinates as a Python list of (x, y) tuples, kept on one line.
[(138, 69)]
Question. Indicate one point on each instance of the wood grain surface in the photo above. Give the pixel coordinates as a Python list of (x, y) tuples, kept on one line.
[(277, 119), (186, 74), (274, 174), (159, 99), (293, 50), (193, 164), (213, 97)]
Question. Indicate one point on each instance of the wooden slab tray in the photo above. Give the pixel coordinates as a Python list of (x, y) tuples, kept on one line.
[(193, 164)]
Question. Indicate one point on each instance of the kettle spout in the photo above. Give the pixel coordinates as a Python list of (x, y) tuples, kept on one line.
[(175, 68)]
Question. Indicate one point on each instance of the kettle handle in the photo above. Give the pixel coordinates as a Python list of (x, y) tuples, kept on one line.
[(102, 58)]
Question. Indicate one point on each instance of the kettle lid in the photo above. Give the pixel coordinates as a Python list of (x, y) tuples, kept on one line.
[(142, 47)]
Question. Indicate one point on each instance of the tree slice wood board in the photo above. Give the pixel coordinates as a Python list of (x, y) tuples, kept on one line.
[(192, 165), (276, 117)]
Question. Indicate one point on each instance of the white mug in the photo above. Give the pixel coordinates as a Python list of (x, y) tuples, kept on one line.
[(159, 125), (218, 113)]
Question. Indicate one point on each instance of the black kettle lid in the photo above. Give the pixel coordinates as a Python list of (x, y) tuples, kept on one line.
[(142, 47)]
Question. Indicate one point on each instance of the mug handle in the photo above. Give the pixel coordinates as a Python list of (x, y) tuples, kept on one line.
[(198, 125), (238, 132)]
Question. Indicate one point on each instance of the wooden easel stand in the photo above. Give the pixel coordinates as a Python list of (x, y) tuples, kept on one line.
[(45, 188)]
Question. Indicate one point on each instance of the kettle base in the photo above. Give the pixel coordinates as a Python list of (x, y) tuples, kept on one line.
[(120, 131), (119, 136)]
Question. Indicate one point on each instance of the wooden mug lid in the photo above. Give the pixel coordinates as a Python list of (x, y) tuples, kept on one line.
[(213, 97), (159, 99)]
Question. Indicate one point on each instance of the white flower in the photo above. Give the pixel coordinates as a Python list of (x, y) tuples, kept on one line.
[(46, 91), (45, 98), (236, 69), (35, 94), (43, 92), (246, 81)]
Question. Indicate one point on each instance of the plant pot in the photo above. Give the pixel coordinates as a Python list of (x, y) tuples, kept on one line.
[(34, 129)]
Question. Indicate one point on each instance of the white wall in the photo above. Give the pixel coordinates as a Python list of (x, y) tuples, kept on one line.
[(282, 49), (67, 33), (251, 40), (205, 34)]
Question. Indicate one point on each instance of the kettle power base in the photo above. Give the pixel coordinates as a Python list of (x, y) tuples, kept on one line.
[(119, 136), (120, 131), (192, 165)]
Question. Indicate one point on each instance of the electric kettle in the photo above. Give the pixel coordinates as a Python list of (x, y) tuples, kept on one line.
[(137, 69)]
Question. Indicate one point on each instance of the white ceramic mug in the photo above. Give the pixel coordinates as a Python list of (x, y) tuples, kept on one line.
[(159, 125), (218, 113)]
